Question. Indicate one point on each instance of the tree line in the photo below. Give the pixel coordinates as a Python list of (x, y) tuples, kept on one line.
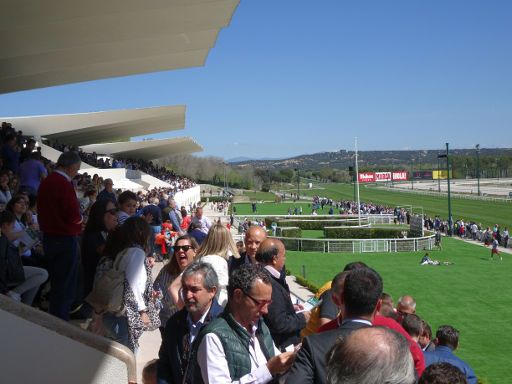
[(214, 170)]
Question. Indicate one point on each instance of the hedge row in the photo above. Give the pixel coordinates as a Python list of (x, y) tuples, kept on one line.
[(362, 233), (289, 232), (214, 199), (310, 224)]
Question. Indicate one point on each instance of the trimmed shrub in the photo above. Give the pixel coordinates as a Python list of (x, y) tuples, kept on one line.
[(289, 232), (312, 222), (315, 224), (215, 199), (362, 233), (302, 281)]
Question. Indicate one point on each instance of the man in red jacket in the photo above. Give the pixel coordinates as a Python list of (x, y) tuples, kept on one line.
[(60, 221)]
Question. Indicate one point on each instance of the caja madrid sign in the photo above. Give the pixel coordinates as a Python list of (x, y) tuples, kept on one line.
[(382, 176)]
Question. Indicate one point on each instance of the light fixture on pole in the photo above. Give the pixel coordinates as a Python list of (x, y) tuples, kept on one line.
[(438, 176), (478, 167), (357, 183), (450, 220)]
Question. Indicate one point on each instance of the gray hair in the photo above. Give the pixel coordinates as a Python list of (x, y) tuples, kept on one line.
[(67, 159), (210, 279), (372, 355)]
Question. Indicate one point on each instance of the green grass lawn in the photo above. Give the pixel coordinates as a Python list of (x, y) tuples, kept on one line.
[(312, 234), (474, 295), (485, 212), (259, 196), (272, 208)]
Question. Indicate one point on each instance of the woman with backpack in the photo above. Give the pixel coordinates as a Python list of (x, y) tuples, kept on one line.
[(138, 308)]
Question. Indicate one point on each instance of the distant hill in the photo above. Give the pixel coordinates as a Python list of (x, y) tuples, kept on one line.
[(343, 158), (243, 160)]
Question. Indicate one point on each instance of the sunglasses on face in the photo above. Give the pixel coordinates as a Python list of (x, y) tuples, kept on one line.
[(184, 248), (112, 211)]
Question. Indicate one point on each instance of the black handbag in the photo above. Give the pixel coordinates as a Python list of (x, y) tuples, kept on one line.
[(14, 272)]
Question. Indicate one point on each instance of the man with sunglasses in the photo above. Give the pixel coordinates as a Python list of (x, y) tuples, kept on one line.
[(406, 305), (237, 346), (284, 324)]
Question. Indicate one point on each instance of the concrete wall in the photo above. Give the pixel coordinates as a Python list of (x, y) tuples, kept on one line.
[(39, 348), (189, 196)]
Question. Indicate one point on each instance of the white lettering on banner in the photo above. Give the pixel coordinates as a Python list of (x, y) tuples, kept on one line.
[(402, 175), (366, 177), (382, 176)]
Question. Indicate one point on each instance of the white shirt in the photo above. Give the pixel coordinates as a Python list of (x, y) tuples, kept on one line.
[(274, 272), (132, 263), (204, 222), (214, 365), (220, 266)]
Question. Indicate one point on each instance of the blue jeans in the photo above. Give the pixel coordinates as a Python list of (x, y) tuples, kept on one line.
[(117, 328), (62, 253)]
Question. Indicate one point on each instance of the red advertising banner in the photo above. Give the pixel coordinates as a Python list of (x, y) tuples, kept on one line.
[(372, 177), (400, 176), (382, 176), (366, 177)]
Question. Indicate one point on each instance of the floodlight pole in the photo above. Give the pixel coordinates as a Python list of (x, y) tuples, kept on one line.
[(357, 188), (438, 177), (412, 174), (450, 221), (478, 166), (298, 182)]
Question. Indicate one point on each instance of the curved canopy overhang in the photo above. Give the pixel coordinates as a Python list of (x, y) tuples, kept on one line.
[(147, 149), (53, 42), (96, 127)]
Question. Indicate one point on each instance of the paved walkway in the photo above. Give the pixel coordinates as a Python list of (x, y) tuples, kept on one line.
[(480, 244), (149, 343)]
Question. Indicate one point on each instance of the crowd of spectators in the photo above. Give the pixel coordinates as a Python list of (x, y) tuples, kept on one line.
[(356, 335), (224, 310), (348, 207), (178, 182)]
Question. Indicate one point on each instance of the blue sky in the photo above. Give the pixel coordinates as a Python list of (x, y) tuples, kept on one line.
[(289, 77)]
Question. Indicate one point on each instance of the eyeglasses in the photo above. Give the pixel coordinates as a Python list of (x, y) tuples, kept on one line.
[(183, 248), (112, 211), (259, 303)]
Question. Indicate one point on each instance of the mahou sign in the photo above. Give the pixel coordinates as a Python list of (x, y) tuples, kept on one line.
[(366, 177), (372, 177)]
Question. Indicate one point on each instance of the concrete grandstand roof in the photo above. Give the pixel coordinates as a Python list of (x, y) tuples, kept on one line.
[(96, 127), (53, 42), (147, 150)]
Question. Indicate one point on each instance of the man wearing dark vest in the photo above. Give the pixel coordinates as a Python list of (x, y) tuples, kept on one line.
[(237, 346)]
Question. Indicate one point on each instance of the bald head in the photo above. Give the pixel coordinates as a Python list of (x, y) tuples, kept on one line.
[(371, 355), (253, 238), (271, 252), (406, 304)]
